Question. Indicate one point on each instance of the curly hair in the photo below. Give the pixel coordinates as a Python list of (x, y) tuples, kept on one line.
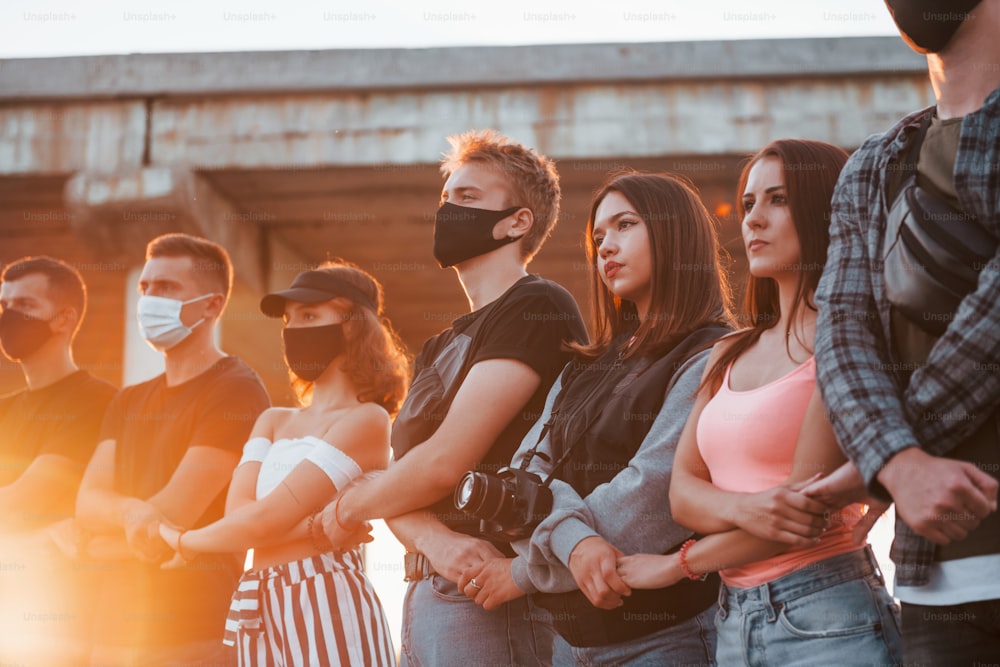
[(375, 359)]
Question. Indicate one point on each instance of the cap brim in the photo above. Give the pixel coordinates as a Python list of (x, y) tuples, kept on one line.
[(273, 305)]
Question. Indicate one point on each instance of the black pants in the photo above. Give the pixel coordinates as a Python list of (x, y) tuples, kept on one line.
[(957, 635)]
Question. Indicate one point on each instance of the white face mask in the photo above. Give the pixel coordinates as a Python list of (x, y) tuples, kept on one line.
[(160, 320)]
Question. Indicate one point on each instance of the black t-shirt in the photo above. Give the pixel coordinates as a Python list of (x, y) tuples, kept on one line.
[(153, 426), (527, 323), (62, 419)]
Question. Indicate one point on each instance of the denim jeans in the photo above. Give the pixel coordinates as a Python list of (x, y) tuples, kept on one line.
[(691, 644), (962, 634), (832, 612), (442, 627)]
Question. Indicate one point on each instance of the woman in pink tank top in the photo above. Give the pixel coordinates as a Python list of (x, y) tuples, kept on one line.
[(799, 586)]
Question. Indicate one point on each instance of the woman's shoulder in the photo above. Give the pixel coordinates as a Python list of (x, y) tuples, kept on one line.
[(723, 345), (270, 420), (357, 422)]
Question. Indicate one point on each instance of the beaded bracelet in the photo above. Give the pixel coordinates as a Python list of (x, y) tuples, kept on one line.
[(684, 564)]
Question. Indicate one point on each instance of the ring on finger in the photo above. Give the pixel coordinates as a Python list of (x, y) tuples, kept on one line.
[(472, 582)]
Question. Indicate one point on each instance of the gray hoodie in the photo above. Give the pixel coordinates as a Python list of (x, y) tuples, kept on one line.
[(632, 511)]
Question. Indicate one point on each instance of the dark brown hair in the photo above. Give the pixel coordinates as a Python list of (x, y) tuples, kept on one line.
[(65, 285), (208, 259), (375, 359), (690, 289), (810, 169)]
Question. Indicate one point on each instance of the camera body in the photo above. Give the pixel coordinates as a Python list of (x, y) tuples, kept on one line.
[(508, 504)]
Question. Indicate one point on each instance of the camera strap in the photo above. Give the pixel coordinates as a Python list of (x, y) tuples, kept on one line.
[(604, 383), (598, 387)]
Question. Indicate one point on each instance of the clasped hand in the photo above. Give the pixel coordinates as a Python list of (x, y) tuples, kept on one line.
[(141, 522)]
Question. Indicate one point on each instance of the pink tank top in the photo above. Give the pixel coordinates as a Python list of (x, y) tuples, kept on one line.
[(747, 439)]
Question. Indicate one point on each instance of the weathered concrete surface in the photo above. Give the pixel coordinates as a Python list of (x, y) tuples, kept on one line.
[(291, 158), (117, 214), (570, 121), (394, 106), (210, 74), (53, 138)]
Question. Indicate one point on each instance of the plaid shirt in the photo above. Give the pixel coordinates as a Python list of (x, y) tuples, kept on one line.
[(875, 414)]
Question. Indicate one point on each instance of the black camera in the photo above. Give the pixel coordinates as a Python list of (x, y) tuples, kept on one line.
[(508, 504)]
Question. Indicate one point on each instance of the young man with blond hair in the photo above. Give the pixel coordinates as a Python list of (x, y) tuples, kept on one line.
[(478, 387)]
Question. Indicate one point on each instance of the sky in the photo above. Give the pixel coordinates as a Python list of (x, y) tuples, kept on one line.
[(45, 28)]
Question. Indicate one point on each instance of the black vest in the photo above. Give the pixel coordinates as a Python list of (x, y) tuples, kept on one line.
[(607, 407), (603, 412)]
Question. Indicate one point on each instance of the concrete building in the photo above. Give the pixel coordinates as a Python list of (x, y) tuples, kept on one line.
[(288, 158)]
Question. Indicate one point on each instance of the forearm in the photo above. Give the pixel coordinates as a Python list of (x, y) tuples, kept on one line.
[(248, 527), (414, 529), (19, 513), (102, 510), (402, 488), (859, 389), (108, 548), (701, 506), (730, 549)]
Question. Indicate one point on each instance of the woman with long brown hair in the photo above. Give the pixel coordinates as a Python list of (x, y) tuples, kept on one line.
[(798, 589), (605, 441)]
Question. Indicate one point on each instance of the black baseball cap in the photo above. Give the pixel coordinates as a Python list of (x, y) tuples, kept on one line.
[(314, 287)]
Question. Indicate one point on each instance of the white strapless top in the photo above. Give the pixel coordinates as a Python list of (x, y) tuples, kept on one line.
[(279, 458)]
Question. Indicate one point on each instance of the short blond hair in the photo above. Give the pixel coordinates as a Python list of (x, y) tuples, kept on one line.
[(533, 179)]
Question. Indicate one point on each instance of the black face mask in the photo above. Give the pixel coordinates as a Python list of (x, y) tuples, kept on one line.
[(461, 233), (927, 26), (21, 335), (309, 350)]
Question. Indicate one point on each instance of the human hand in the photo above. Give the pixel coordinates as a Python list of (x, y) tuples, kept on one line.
[(68, 537), (648, 571), (141, 520), (594, 565), (491, 583), (783, 514), (343, 537), (844, 486), (940, 499), (171, 535), (451, 554)]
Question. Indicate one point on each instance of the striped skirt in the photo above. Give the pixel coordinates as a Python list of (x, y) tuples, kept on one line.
[(320, 610)]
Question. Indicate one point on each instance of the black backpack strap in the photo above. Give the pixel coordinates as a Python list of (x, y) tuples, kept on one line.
[(906, 163)]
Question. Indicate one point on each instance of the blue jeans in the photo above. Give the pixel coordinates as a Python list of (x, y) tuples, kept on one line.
[(691, 643), (832, 612), (442, 627)]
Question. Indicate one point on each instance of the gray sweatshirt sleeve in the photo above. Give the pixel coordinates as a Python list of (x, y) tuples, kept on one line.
[(632, 511), (533, 575)]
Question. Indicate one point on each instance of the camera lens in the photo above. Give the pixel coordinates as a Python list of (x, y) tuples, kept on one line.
[(480, 495), (464, 491)]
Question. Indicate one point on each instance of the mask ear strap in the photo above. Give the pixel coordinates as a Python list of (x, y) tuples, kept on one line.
[(197, 298)]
